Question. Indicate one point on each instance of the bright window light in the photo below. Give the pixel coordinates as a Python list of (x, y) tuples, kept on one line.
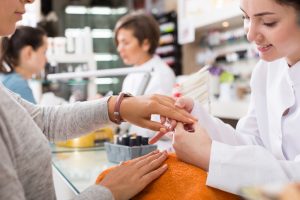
[(100, 11), (102, 33), (121, 11), (73, 32), (106, 57), (76, 10), (95, 10), (106, 81)]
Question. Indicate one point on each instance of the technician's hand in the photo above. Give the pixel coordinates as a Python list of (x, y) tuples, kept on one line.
[(127, 180), (290, 191), (192, 147), (138, 110), (183, 103)]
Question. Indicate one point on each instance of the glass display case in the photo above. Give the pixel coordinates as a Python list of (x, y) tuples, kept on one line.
[(80, 166)]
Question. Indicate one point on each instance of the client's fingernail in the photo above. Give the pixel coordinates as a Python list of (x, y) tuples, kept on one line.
[(156, 151), (163, 130), (193, 120)]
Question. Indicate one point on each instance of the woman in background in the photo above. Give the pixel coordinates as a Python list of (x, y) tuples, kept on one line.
[(25, 54), (137, 38)]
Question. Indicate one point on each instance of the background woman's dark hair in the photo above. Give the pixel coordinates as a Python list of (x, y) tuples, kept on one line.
[(143, 26), (11, 46)]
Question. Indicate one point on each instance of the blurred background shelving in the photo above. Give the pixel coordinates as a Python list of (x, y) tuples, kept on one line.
[(169, 49), (101, 17), (213, 30)]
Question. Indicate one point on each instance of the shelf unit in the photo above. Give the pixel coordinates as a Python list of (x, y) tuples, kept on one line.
[(92, 74), (101, 20), (205, 15), (88, 58), (169, 49)]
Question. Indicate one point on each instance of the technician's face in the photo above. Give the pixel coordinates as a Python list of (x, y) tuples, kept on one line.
[(273, 28), (131, 51)]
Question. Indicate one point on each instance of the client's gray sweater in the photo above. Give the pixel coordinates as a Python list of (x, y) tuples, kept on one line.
[(25, 156)]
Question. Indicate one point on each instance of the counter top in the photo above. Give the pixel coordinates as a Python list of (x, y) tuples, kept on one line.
[(80, 167)]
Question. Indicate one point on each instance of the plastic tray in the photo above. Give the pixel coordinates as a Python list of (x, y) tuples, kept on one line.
[(118, 153)]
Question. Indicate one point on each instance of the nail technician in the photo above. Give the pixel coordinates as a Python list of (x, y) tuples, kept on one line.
[(265, 146), (25, 130)]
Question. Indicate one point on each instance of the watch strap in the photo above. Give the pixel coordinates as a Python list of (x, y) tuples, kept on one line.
[(117, 114)]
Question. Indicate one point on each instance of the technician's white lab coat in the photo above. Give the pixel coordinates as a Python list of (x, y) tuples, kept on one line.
[(265, 147), (161, 82)]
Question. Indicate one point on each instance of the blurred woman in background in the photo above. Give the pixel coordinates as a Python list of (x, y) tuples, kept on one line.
[(25, 54), (137, 38)]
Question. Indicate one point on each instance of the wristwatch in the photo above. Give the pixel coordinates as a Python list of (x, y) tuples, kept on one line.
[(117, 115)]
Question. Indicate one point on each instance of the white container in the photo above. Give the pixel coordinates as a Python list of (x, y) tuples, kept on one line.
[(226, 92), (70, 45), (59, 45)]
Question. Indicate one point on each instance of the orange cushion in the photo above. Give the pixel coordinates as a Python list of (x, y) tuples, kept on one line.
[(181, 181)]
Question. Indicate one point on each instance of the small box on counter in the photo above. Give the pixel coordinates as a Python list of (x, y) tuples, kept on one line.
[(127, 148)]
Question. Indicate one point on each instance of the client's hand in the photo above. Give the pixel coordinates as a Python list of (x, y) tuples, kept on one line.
[(183, 103), (138, 110), (192, 147), (125, 181)]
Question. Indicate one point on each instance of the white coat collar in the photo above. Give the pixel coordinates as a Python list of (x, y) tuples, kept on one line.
[(294, 74), (150, 63)]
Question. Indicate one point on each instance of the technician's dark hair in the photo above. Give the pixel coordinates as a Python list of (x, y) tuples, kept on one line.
[(293, 3), (144, 26), (10, 47)]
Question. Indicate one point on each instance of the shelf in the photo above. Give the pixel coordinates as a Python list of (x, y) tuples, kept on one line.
[(82, 10), (96, 32), (231, 13), (102, 57), (223, 50), (169, 49), (162, 50), (74, 58), (69, 58), (206, 15)]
